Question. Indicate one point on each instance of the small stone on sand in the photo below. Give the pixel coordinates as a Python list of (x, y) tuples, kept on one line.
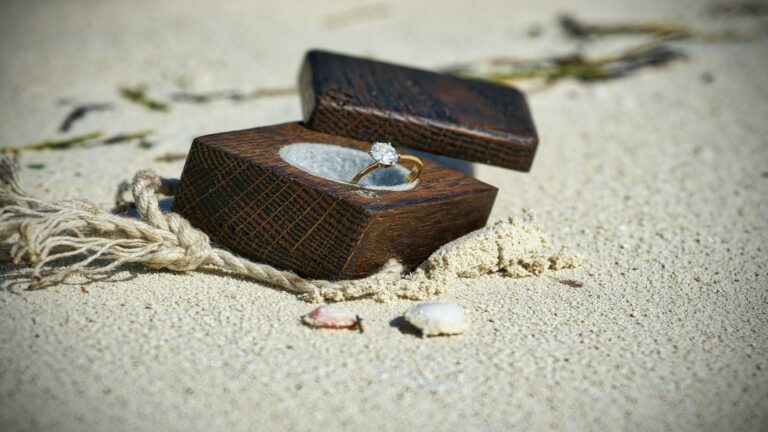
[(437, 318)]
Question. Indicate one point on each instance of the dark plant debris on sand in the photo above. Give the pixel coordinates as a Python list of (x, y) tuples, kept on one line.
[(125, 137), (91, 139), (138, 95), (232, 95), (81, 111), (505, 70), (660, 51), (61, 144), (170, 157), (582, 30)]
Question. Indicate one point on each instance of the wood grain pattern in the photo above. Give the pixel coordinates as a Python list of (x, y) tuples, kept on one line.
[(441, 114), (237, 188)]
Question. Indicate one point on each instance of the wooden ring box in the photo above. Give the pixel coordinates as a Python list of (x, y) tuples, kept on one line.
[(239, 188)]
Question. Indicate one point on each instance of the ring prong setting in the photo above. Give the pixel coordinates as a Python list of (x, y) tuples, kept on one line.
[(384, 154)]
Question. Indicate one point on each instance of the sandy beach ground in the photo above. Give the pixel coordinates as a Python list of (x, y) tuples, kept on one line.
[(659, 179)]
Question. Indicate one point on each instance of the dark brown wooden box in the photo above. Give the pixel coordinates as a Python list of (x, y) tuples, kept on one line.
[(465, 119), (239, 190)]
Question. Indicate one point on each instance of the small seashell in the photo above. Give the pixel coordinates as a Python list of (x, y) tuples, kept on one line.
[(327, 316), (437, 318)]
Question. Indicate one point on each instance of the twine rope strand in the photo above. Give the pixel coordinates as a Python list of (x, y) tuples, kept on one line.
[(95, 242)]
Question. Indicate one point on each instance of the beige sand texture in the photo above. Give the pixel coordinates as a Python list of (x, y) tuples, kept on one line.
[(660, 180)]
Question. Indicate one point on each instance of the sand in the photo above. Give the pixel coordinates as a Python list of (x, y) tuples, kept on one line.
[(659, 180)]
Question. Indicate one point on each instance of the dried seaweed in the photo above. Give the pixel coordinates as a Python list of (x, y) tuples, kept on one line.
[(92, 139), (61, 144), (81, 111), (125, 137), (581, 30), (138, 95), (171, 157), (661, 31), (505, 70), (232, 95), (146, 144)]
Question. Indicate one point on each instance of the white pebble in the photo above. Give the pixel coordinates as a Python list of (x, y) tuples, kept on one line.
[(437, 318), (328, 316)]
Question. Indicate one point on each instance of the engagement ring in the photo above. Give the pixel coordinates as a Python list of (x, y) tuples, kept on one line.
[(385, 156)]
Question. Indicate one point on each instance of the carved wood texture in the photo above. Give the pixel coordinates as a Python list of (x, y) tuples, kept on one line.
[(237, 188), (437, 113)]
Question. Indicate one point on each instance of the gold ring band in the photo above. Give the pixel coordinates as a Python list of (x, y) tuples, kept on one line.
[(385, 156)]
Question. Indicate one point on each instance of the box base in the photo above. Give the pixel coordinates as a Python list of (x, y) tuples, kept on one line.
[(237, 189)]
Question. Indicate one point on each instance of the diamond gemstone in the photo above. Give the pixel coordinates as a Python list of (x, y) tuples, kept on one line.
[(383, 153)]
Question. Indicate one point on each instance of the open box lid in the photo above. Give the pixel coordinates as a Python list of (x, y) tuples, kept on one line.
[(373, 101)]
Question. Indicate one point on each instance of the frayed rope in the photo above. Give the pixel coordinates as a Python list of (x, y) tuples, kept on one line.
[(43, 233)]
